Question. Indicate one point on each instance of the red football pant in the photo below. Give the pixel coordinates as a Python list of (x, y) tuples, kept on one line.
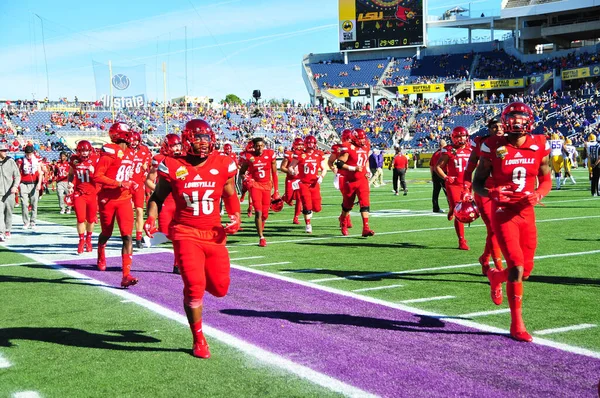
[(310, 194), (86, 208), (167, 211), (453, 194), (204, 265), (517, 236), (139, 196), (119, 209), (484, 205), (352, 189), (261, 200)]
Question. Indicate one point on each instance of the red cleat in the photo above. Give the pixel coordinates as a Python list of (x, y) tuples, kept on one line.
[(295, 221), (521, 336), (128, 280), (262, 242), (498, 264), (80, 246), (101, 263), (485, 264), (462, 245), (495, 287), (349, 221), (343, 225), (367, 232), (200, 348), (88, 245)]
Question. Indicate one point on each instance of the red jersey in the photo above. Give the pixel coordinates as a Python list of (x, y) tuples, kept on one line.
[(157, 159), (197, 190), (289, 155), (357, 157), (141, 159), (29, 169), (61, 170), (400, 161), (233, 157), (476, 149), (435, 158), (336, 151), (260, 167), (83, 170), (115, 166), (457, 161), (309, 165), (514, 167)]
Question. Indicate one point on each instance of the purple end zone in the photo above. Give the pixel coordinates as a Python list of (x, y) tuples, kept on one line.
[(376, 348)]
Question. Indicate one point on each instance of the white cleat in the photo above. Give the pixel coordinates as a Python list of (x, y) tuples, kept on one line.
[(308, 229)]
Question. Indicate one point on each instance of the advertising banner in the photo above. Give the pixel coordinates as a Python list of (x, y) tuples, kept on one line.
[(128, 85)]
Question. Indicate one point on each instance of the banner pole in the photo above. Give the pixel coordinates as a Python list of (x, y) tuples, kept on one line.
[(164, 67), (110, 97)]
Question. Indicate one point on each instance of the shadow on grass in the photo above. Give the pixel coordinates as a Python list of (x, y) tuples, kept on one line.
[(82, 338), (425, 324), (564, 280)]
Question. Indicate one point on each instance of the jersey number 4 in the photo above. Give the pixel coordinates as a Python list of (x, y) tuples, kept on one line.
[(208, 205)]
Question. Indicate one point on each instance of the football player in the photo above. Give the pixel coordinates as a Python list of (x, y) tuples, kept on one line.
[(170, 147), (517, 162), (82, 187), (492, 249), (454, 159), (570, 157), (338, 181), (556, 155), (354, 163), (245, 179), (113, 173), (261, 165), (310, 168), (61, 172), (141, 163), (292, 183), (197, 182)]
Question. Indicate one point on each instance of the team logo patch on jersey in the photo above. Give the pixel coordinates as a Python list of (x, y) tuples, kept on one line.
[(518, 155), (120, 154), (197, 178), (213, 171), (501, 152), (303, 156), (251, 159), (181, 173)]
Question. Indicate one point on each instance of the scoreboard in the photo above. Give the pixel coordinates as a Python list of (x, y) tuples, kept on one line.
[(372, 24)]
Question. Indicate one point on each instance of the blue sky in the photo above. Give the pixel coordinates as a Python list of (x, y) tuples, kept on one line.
[(234, 46)]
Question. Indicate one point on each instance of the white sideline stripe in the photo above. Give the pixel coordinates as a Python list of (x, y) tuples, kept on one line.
[(566, 329), (367, 289), (264, 265), (417, 311), (485, 313), (126, 301), (4, 363), (27, 394), (410, 271), (226, 338), (246, 258), (295, 271), (401, 232), (15, 264), (468, 323), (426, 299), (232, 252)]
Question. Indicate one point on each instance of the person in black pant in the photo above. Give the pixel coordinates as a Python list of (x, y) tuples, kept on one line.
[(438, 183), (593, 157), (400, 165)]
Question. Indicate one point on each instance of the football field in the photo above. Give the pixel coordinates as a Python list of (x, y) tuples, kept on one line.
[(403, 313)]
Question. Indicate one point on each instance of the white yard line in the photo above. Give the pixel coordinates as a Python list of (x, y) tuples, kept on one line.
[(485, 313), (412, 271), (368, 289), (16, 264), (565, 329), (426, 299), (4, 363), (26, 394), (264, 265), (295, 271)]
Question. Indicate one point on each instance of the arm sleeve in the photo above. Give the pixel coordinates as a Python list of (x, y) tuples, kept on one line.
[(545, 184), (100, 174)]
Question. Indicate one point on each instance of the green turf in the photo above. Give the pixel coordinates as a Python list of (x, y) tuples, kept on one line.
[(562, 291), (68, 339)]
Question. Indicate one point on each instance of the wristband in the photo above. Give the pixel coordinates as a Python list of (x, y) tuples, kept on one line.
[(351, 168)]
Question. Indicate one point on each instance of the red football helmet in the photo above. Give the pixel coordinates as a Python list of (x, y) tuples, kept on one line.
[(460, 136), (249, 147), (198, 138), (466, 210), (120, 132), (69, 200), (84, 149), (310, 142), (346, 135), (136, 139), (517, 118), (276, 203), (171, 145), (359, 137), (298, 144), (227, 149)]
